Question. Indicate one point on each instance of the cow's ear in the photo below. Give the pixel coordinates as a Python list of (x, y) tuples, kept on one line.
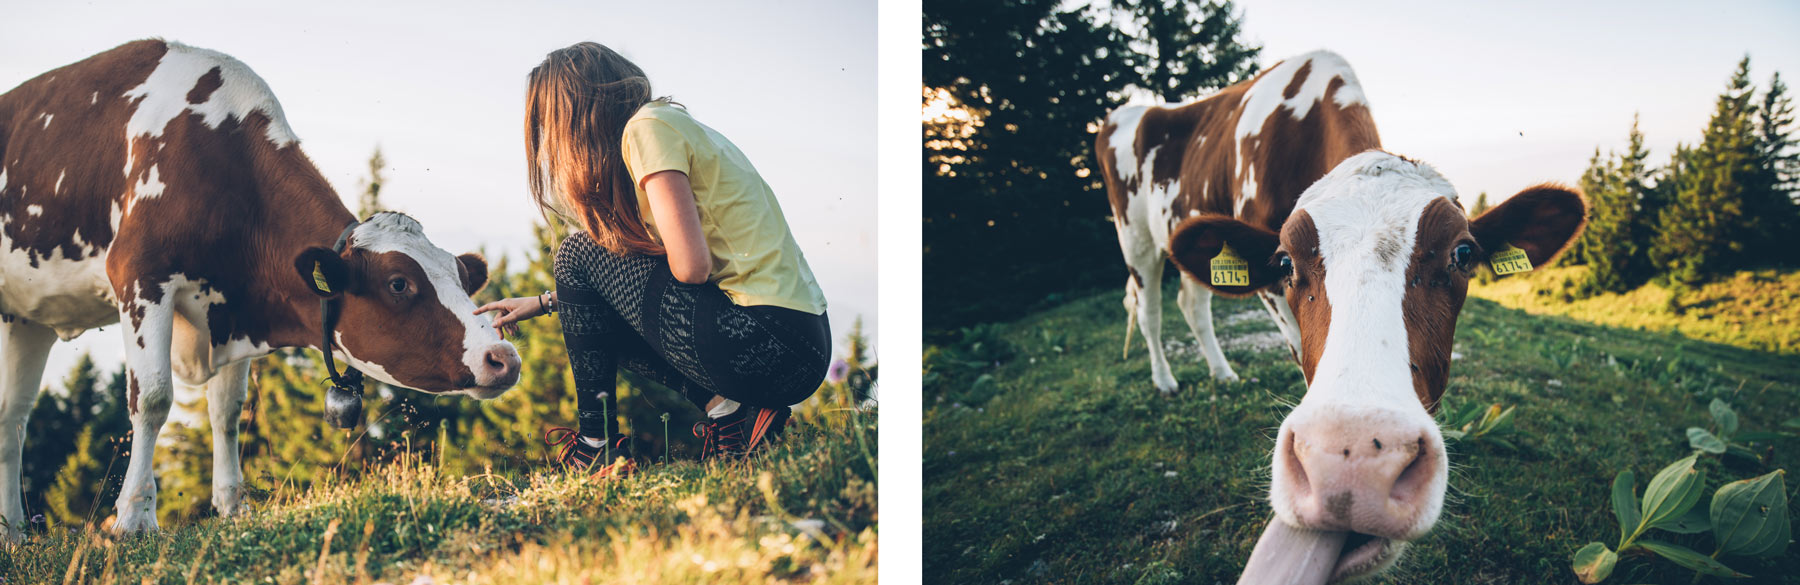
[(324, 271), (1200, 240), (474, 272), (1540, 221)]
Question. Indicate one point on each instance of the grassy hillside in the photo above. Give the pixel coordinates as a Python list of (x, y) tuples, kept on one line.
[(1048, 459), (804, 513), (1756, 310)]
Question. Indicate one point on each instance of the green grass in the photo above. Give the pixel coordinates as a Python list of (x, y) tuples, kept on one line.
[(805, 512), (1049, 459), (1756, 309)]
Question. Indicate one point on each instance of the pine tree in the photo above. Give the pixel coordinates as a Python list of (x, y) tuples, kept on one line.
[(88, 477), (1702, 230), (1616, 188), (1186, 47), (370, 203), (1770, 203), (1481, 205)]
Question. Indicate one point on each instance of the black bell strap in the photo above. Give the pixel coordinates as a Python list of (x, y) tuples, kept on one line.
[(343, 401)]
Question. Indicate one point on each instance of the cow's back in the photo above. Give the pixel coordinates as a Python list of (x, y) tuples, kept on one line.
[(150, 160), (1248, 151)]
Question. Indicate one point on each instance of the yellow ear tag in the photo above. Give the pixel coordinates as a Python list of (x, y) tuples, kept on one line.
[(319, 278), (1510, 260), (1230, 270)]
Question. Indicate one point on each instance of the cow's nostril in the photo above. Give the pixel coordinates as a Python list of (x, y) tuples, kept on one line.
[(1417, 474), (494, 363)]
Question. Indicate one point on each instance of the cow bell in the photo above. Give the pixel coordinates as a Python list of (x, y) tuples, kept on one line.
[(343, 408)]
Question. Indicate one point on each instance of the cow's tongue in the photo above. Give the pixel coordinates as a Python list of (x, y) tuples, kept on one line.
[(1287, 555)]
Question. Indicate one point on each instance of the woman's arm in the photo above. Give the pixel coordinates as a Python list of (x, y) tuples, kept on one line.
[(509, 312), (672, 204)]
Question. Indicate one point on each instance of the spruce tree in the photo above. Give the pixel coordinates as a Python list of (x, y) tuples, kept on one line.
[(1615, 189), (1481, 205), (1186, 47), (1702, 231), (370, 202), (1770, 193)]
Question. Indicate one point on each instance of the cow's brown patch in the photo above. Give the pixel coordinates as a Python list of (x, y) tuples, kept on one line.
[(1294, 85), (204, 88), (380, 325), (1435, 290), (1305, 289)]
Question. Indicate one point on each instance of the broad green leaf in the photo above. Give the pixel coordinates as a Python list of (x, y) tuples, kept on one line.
[(1672, 492), (1698, 438), (1725, 416), (1750, 517), (1792, 422), (1693, 522), (1594, 562), (1688, 558), (1625, 504)]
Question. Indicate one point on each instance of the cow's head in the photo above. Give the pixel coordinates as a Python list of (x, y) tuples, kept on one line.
[(406, 317), (1375, 263)]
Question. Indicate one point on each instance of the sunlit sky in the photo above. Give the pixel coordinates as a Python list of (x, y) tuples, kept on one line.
[(440, 87), (1503, 95)]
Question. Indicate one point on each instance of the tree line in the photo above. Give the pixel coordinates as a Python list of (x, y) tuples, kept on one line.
[(1721, 205), (1013, 90)]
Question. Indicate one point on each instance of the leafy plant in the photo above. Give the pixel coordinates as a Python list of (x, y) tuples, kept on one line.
[(1725, 428), (1472, 422), (1747, 518)]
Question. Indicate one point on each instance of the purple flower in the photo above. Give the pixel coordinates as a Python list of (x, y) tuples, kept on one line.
[(839, 370)]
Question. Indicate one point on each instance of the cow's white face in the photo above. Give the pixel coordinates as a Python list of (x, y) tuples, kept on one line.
[(407, 319), (1374, 262)]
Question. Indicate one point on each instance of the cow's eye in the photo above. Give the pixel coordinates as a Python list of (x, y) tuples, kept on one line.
[(397, 285), (1463, 255), (1285, 264)]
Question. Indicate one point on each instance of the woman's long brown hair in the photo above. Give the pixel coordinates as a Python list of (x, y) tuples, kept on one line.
[(576, 106)]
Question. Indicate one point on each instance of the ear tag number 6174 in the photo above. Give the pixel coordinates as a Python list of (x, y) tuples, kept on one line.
[(1510, 260), (1230, 270)]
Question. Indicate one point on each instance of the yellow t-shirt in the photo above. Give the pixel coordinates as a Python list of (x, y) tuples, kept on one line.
[(755, 258)]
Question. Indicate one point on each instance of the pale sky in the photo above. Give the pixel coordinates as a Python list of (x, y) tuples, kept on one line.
[(440, 86), (1503, 95)]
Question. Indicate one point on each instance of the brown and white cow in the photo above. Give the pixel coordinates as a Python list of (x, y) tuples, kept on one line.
[(159, 186), (1362, 258)]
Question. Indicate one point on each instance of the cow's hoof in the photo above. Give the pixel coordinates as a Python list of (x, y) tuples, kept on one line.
[(134, 524), (1164, 381), (1225, 375)]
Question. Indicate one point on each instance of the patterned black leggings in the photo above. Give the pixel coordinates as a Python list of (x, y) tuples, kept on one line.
[(630, 311)]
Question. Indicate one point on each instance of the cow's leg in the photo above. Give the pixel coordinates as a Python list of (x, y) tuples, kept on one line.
[(149, 392), (1283, 315), (27, 345), (1149, 319), (1195, 301), (225, 394)]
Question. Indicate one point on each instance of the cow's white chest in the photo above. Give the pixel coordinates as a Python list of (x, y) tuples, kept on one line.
[(68, 295)]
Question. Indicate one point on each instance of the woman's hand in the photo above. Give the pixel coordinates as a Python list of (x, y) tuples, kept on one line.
[(512, 311)]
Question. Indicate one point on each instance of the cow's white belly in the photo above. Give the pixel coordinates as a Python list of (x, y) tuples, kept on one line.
[(70, 296)]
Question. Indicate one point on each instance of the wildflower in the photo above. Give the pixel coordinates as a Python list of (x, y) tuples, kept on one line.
[(839, 371)]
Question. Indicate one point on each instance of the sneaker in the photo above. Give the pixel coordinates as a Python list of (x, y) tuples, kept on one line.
[(740, 433), (577, 454)]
